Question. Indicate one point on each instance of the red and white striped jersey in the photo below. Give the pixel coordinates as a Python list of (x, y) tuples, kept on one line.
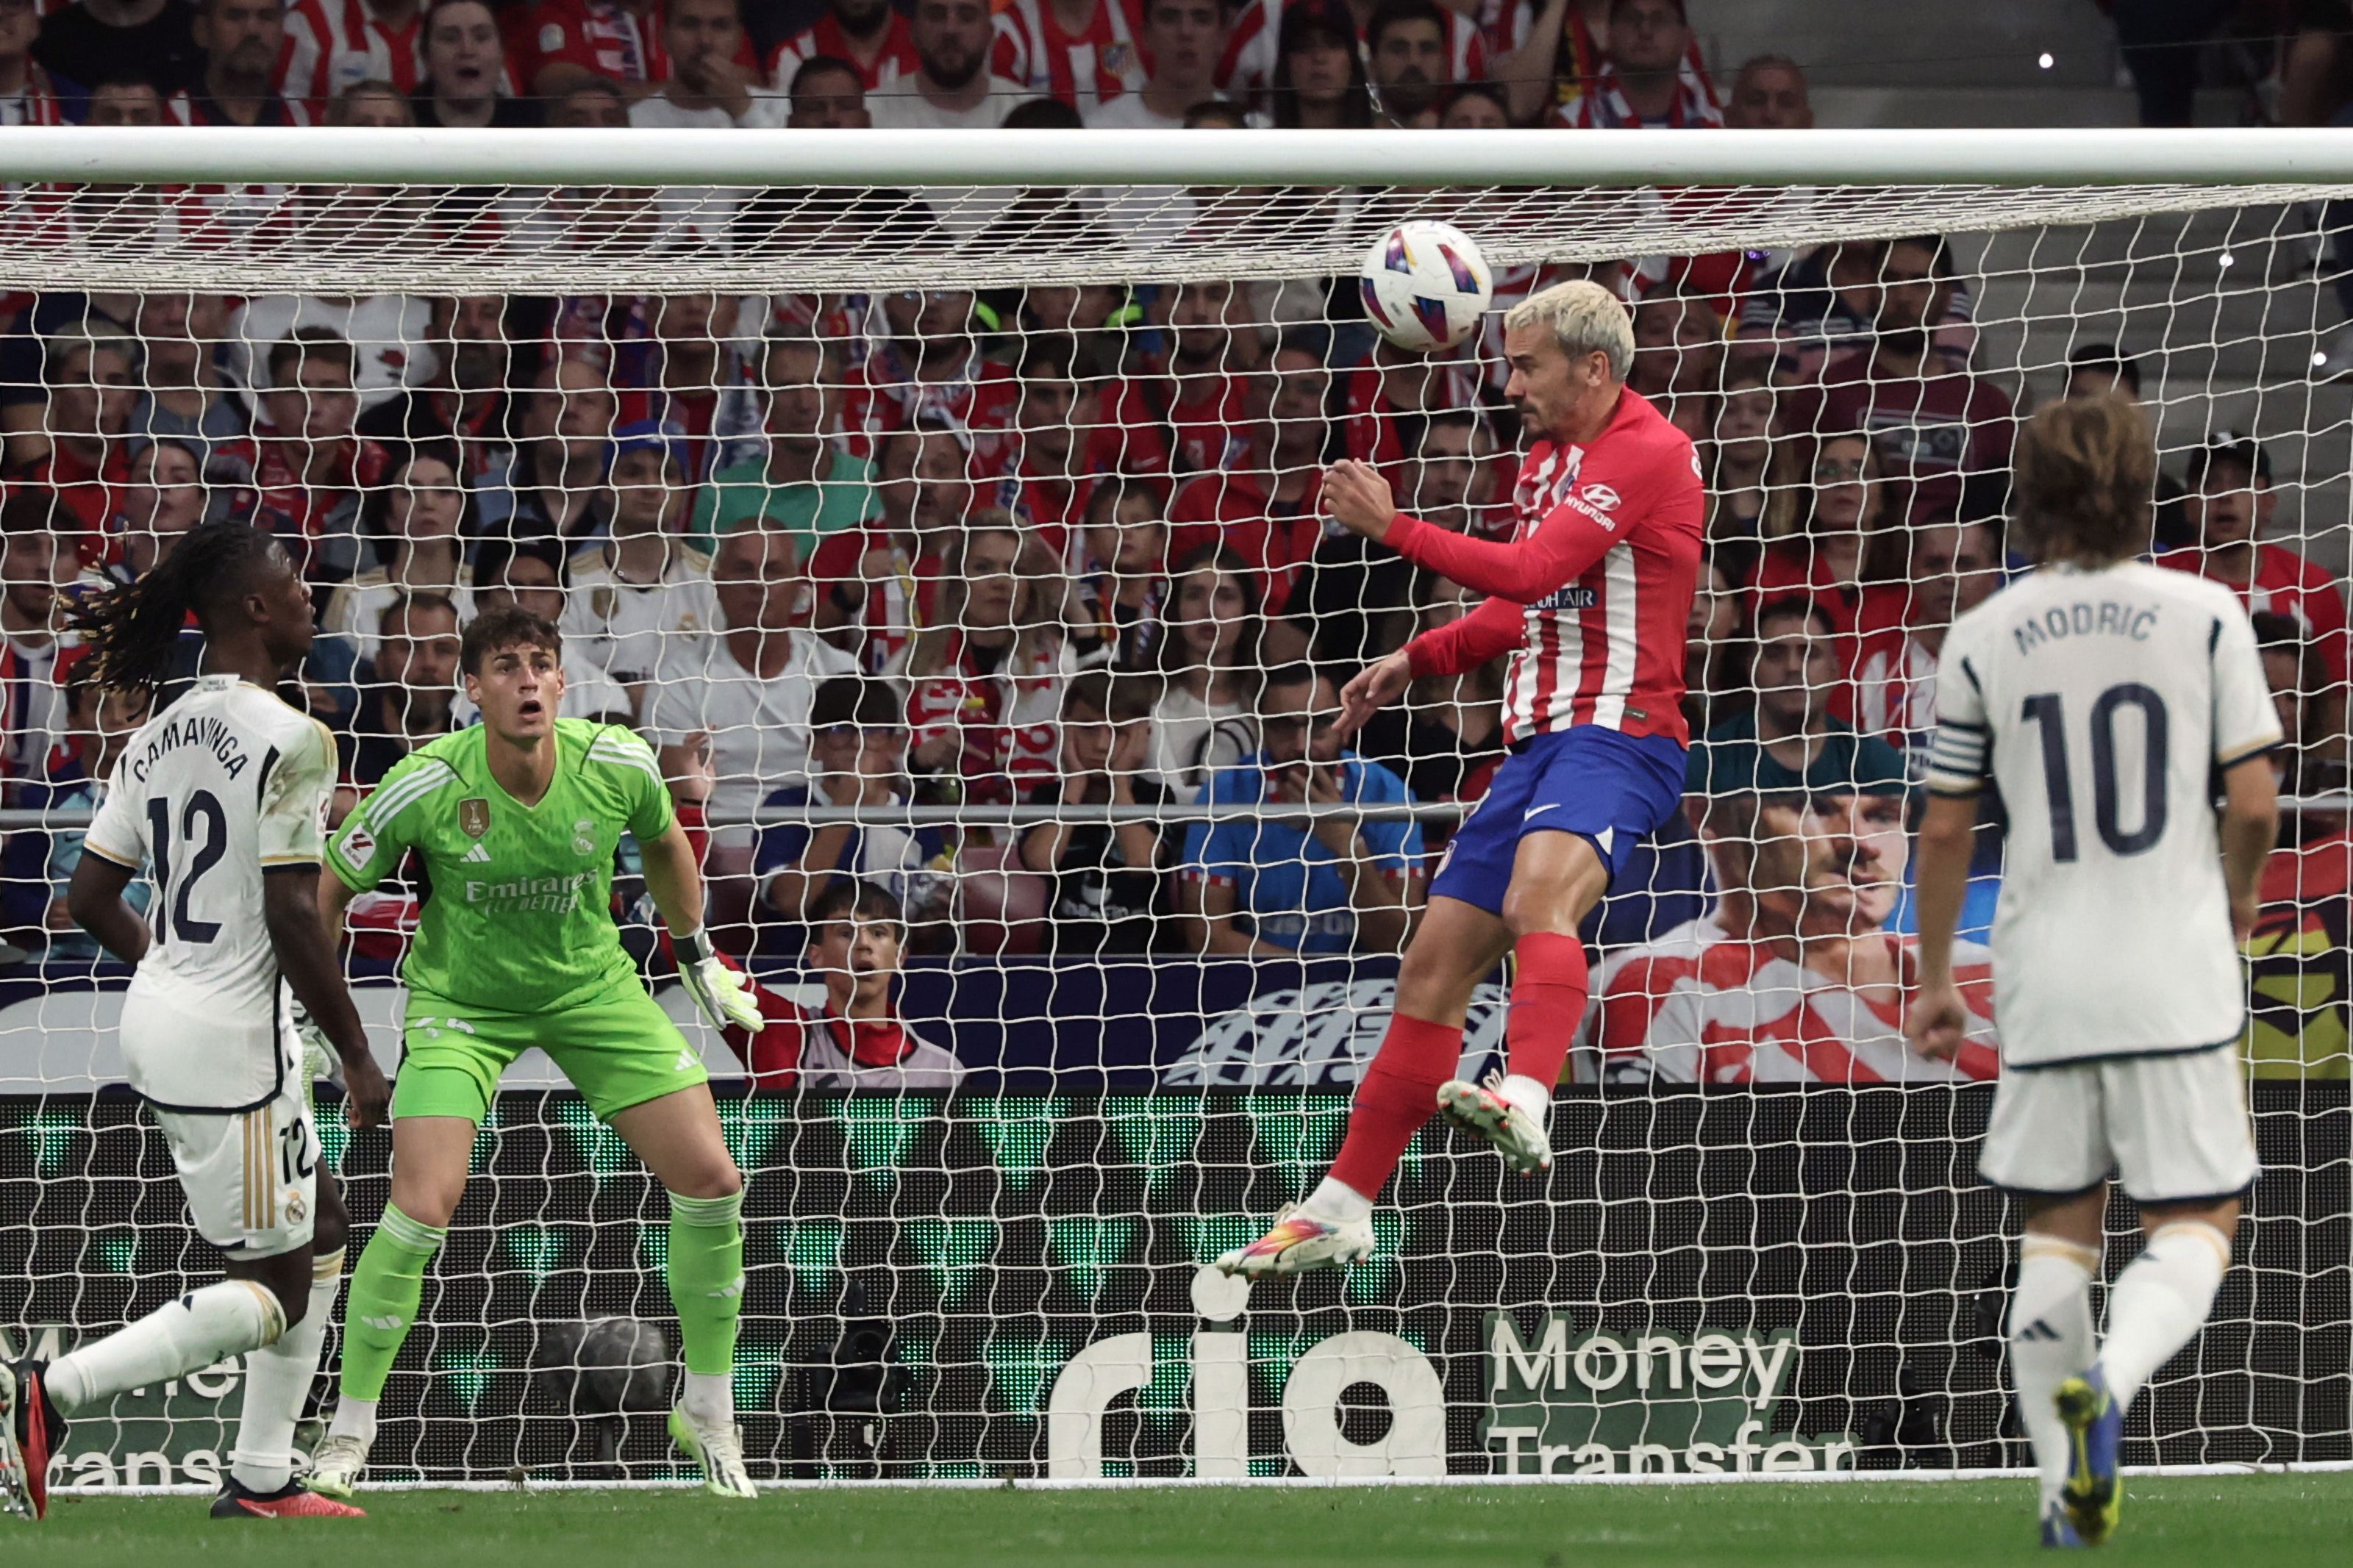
[(1083, 70), (1246, 69), (1594, 588), (1700, 1007), (895, 63), (335, 43)]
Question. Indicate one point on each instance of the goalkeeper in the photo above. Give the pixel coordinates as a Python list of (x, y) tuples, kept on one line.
[(515, 822)]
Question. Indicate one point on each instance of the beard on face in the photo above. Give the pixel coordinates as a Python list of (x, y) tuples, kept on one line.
[(952, 68)]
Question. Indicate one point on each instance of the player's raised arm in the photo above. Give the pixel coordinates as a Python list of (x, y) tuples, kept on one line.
[(1603, 465)]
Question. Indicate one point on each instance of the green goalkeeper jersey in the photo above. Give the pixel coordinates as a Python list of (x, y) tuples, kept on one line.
[(518, 913)]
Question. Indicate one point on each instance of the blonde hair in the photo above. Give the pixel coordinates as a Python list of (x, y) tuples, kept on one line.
[(1585, 319), (2085, 481)]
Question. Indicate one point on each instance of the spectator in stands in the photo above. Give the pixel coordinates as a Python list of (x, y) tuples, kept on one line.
[(1678, 355), (37, 562), (27, 97), (1122, 573), (1106, 876), (2231, 502), (1769, 94), (1049, 476), (163, 499), (1955, 567), (857, 757), (1319, 74), (1821, 305), (466, 402), (243, 43), (559, 470), (987, 673), (590, 103), (629, 594), (2310, 762), (413, 524), (1837, 557), (1475, 106), (1183, 40), (1447, 736), (188, 398), (930, 368), (464, 66), (1405, 42), (89, 42), (954, 88), (2094, 369), (1752, 493), (804, 485), (332, 47), (855, 1042), (1204, 398), (1643, 80), (708, 86), (388, 334), (410, 699), (1789, 741), (1943, 431), (745, 687), (1716, 661), (91, 378), (98, 724), (1794, 976), (1079, 52), (1275, 886), (124, 96), (826, 94), (559, 44), (872, 37), (1210, 661), (309, 465)]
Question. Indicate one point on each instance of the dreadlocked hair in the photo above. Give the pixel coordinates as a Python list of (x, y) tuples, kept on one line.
[(132, 630)]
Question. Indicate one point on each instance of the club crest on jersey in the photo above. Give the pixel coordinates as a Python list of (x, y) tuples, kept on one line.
[(584, 839), (474, 815)]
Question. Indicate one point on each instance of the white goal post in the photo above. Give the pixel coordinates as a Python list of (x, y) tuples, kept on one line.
[(1099, 370)]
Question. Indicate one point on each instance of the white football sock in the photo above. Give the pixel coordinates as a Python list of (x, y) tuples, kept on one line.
[(2050, 1340), (1529, 1095), (1335, 1202), (710, 1399), (276, 1382), (191, 1334), (353, 1418), (2160, 1302)]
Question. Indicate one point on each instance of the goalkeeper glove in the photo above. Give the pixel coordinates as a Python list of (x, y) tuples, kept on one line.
[(320, 1060), (719, 993)]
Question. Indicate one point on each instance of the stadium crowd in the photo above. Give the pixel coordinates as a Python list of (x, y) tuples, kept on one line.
[(1056, 546)]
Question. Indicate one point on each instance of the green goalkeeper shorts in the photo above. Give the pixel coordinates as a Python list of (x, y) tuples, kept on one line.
[(618, 1050)]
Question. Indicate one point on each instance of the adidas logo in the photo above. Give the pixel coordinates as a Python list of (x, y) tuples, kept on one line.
[(477, 856), (2037, 1330), (387, 1324), (685, 1063)]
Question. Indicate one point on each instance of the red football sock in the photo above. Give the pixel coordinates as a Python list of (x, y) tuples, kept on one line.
[(1399, 1092), (1549, 986)]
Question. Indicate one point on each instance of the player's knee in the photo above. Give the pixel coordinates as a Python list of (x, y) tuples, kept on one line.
[(707, 1179), (1527, 910)]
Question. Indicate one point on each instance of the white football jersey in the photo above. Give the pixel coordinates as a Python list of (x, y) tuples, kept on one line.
[(220, 787), (2101, 703)]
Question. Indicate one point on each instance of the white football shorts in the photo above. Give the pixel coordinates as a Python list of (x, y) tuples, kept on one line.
[(251, 1176), (2174, 1128)]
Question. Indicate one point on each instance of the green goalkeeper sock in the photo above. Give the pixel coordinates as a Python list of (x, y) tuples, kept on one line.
[(386, 1289), (706, 1278)]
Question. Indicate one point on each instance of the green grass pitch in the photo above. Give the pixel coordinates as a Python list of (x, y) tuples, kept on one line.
[(2257, 1522)]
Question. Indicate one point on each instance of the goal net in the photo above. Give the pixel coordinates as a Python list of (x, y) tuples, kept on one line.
[(949, 518)]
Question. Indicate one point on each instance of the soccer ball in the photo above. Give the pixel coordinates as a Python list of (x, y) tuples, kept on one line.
[(1425, 284)]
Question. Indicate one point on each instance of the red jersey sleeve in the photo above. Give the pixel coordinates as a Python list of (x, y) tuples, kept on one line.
[(1494, 628), (1655, 484)]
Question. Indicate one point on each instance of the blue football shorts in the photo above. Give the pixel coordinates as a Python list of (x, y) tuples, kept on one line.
[(1610, 789)]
